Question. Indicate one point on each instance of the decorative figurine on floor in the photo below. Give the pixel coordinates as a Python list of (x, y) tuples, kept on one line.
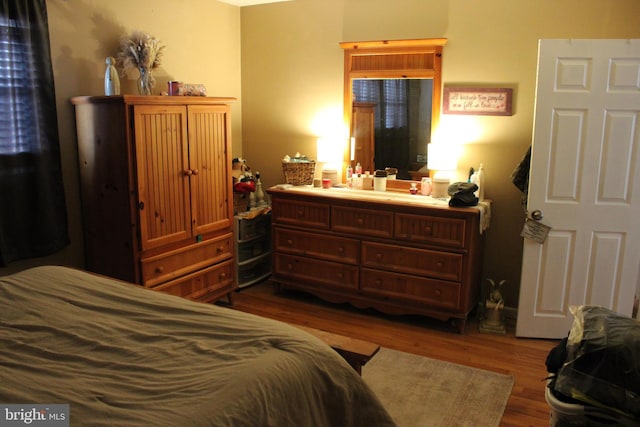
[(493, 322)]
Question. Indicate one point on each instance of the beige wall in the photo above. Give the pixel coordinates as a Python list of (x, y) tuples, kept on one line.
[(292, 69), (202, 45), (292, 74)]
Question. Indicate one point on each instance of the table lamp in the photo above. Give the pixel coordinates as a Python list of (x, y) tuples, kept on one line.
[(443, 160), (329, 153)]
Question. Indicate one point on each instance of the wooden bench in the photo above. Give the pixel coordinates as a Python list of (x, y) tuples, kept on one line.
[(356, 352)]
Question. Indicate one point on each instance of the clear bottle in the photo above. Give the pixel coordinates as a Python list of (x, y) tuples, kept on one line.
[(480, 182), (111, 79)]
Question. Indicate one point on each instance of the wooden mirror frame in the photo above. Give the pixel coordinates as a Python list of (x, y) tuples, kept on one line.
[(392, 59)]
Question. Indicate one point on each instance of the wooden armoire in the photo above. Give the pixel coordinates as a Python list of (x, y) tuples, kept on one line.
[(156, 190)]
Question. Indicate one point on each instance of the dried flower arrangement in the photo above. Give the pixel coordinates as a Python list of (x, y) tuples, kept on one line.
[(140, 51)]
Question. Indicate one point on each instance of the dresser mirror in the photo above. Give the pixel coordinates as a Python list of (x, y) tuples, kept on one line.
[(392, 99)]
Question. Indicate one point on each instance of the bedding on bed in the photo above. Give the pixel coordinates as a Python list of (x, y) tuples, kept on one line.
[(124, 355)]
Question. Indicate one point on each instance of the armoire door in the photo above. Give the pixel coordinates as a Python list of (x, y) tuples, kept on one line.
[(584, 180), (163, 174), (363, 133), (209, 159)]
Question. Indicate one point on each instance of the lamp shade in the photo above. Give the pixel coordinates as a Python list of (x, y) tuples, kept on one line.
[(328, 150), (441, 157)]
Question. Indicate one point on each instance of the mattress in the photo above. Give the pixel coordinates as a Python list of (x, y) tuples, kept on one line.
[(120, 354)]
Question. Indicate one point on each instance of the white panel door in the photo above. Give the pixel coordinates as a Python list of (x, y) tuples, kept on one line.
[(585, 179)]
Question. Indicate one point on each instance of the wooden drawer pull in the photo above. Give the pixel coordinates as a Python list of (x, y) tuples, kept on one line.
[(340, 275), (290, 242), (379, 256), (221, 249), (341, 249), (428, 230), (377, 282), (159, 269), (300, 212), (222, 275), (439, 264), (438, 292), (290, 267), (359, 221)]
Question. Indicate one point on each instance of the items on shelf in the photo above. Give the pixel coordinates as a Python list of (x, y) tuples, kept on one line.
[(248, 192)]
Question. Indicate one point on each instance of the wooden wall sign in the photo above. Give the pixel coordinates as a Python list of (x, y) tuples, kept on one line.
[(477, 101)]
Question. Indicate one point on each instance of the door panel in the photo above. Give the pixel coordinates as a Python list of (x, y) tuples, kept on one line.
[(584, 177), (210, 188), (162, 166)]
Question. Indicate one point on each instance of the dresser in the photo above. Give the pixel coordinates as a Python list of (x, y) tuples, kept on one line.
[(155, 186), (397, 253)]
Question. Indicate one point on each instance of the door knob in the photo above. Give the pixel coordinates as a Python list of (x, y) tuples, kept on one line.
[(537, 215)]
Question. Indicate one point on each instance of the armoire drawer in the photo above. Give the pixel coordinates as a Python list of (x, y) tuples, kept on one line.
[(435, 230), (202, 283), (308, 270), (404, 287), (173, 264), (367, 222), (304, 214), (422, 262), (319, 246)]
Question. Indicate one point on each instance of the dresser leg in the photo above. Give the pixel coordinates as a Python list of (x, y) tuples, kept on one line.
[(277, 287), (459, 325), (230, 298)]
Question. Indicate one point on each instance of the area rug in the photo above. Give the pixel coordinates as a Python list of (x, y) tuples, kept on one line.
[(422, 392)]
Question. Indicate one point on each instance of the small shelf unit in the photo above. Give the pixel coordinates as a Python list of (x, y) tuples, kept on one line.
[(253, 249)]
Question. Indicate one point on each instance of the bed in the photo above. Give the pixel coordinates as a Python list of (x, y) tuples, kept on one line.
[(121, 355)]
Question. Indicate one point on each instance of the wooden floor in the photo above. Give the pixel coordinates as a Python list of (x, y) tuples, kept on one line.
[(522, 358)]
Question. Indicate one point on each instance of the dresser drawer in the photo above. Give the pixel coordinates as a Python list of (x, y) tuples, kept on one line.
[(202, 285), (305, 214), (439, 231), (173, 264), (319, 246), (367, 222), (403, 287), (423, 262), (324, 273)]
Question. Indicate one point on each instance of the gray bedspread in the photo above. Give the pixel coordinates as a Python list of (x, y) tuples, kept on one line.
[(121, 355)]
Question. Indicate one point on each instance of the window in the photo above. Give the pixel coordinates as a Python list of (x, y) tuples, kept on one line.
[(17, 134), (390, 95), (33, 217)]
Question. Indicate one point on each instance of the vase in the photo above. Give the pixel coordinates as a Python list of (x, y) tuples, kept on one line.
[(111, 79), (145, 81)]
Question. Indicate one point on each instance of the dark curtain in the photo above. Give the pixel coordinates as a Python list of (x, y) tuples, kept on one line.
[(33, 217), (391, 121)]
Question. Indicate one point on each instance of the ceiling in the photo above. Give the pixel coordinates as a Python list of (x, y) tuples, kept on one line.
[(250, 2)]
